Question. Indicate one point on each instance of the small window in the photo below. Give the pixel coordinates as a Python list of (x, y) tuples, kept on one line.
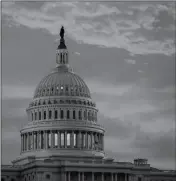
[(85, 115), (62, 114), (74, 115), (44, 115), (139, 179), (80, 115), (68, 114), (40, 115), (50, 114), (47, 176), (55, 114)]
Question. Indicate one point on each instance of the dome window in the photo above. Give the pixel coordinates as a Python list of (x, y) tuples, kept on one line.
[(50, 114), (62, 114), (89, 116), (55, 114), (74, 114), (44, 115), (35, 116), (85, 115), (80, 115), (68, 114)]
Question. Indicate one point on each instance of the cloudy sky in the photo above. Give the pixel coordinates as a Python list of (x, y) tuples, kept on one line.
[(124, 52)]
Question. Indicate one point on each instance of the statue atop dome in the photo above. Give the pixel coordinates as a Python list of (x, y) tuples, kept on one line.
[(62, 41), (62, 31)]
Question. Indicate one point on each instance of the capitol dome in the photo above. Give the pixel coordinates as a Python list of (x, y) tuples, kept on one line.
[(62, 82), (62, 117)]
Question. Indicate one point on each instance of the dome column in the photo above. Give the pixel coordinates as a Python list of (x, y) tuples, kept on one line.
[(58, 139), (86, 140), (21, 143), (91, 140), (46, 139), (79, 139), (65, 139), (27, 142), (32, 140), (102, 142), (52, 139), (72, 139)]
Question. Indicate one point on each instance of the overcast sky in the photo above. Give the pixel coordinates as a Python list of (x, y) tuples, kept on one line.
[(123, 51)]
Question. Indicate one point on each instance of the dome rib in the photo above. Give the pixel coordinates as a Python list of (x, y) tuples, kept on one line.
[(62, 78)]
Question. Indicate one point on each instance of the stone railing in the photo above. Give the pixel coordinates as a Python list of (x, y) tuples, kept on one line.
[(3, 167), (64, 122)]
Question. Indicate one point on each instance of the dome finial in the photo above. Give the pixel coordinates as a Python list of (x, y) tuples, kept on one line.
[(62, 31)]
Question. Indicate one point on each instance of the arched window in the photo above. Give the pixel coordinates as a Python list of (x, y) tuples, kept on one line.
[(80, 115), (89, 115), (62, 114), (74, 114), (68, 114), (55, 114), (40, 115), (50, 114), (35, 116), (32, 116), (85, 115), (44, 115)]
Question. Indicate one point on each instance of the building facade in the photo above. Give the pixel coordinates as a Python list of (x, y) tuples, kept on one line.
[(63, 140)]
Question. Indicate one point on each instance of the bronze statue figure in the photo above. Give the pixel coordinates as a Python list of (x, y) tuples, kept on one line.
[(62, 31)]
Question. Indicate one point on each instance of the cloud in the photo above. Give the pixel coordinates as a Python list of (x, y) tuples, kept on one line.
[(16, 92), (130, 61), (11, 134), (99, 87), (76, 53), (94, 23)]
